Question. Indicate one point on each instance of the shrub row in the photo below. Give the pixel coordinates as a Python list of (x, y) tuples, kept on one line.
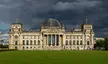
[(8, 50)]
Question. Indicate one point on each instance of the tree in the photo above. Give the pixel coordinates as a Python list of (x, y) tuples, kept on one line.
[(4, 46), (99, 44), (1, 46), (106, 44)]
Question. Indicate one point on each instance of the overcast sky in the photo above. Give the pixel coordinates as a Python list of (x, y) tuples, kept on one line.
[(70, 12)]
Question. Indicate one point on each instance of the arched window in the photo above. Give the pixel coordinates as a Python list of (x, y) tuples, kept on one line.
[(77, 42), (23, 42), (27, 42), (34, 42), (81, 42), (30, 42), (16, 37), (73, 42), (16, 47), (66, 42)]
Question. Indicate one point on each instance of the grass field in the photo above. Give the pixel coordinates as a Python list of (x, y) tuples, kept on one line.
[(54, 57)]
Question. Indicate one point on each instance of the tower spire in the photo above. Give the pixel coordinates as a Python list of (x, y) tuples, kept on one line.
[(86, 20)]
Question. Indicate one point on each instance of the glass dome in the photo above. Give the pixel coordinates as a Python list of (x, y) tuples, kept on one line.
[(51, 23)]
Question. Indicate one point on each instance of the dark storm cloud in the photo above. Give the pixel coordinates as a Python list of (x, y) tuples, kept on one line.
[(70, 12), (78, 4)]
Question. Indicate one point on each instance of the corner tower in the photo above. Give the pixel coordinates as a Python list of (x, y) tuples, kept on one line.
[(88, 32), (15, 34)]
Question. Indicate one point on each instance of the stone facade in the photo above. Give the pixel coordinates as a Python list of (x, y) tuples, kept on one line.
[(51, 36)]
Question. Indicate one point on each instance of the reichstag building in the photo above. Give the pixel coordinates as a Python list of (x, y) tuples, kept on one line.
[(51, 36)]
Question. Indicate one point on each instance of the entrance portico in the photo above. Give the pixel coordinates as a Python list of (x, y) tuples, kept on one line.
[(53, 39)]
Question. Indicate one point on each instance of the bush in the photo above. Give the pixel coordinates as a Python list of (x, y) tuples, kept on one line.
[(101, 44), (8, 50)]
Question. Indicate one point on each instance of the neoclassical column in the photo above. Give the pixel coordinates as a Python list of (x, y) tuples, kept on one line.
[(29, 42), (59, 40), (55, 40), (92, 39), (85, 42), (11, 42), (44, 40)]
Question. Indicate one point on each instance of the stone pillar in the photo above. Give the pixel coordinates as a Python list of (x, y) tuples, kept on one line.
[(83, 41), (44, 40), (59, 40), (11, 42), (92, 40), (29, 43), (55, 40), (20, 42)]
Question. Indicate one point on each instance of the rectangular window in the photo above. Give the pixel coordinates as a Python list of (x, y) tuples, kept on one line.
[(38, 42), (27, 42), (23, 42), (73, 42), (16, 42), (30, 42), (77, 42), (34, 42), (66, 42), (88, 43), (81, 42)]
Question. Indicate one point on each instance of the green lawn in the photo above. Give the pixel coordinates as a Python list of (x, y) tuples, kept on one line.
[(54, 57)]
